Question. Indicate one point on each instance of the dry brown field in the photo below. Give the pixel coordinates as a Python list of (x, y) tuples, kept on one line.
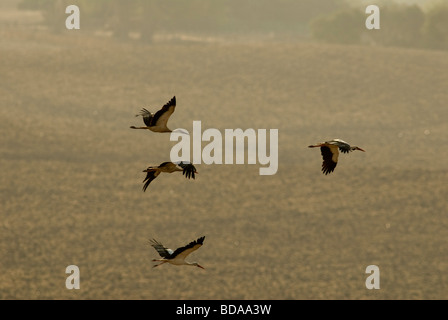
[(71, 169)]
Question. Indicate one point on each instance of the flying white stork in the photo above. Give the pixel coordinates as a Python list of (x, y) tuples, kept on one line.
[(188, 169), (157, 122), (177, 257), (330, 153)]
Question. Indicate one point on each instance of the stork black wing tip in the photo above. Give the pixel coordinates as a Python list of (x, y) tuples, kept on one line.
[(201, 240), (189, 170), (147, 182), (172, 102)]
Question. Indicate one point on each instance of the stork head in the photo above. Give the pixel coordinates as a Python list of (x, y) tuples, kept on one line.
[(358, 148)]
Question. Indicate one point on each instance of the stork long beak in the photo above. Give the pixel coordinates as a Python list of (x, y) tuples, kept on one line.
[(358, 148), (201, 267)]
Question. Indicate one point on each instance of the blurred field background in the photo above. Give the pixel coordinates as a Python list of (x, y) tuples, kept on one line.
[(72, 169)]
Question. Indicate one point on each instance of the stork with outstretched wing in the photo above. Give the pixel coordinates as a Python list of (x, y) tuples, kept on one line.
[(157, 122), (152, 172), (330, 153), (177, 257)]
